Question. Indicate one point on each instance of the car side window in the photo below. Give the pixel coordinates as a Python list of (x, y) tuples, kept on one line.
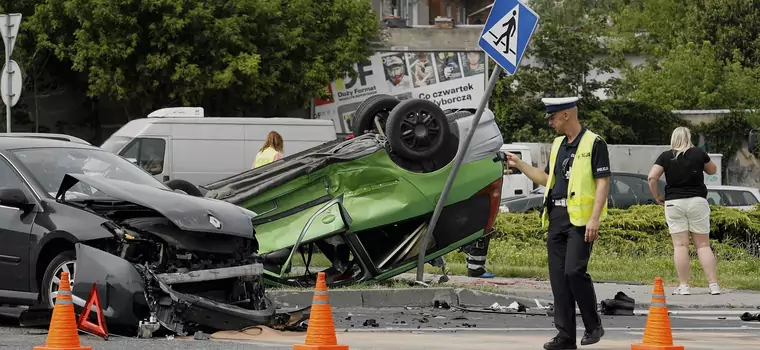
[(147, 153), (740, 198), (713, 197), (9, 178), (622, 185)]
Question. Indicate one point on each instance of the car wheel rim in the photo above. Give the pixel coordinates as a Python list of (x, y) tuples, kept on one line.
[(419, 130), (55, 282)]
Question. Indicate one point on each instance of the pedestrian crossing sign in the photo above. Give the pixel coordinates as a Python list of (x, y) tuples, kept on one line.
[(507, 33)]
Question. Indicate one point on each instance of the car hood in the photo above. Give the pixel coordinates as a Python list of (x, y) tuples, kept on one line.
[(187, 212)]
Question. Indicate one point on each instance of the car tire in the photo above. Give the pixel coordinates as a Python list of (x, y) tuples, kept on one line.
[(67, 258), (379, 105), (405, 119), (184, 186)]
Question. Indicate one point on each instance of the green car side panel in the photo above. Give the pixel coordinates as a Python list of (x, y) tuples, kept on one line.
[(376, 192)]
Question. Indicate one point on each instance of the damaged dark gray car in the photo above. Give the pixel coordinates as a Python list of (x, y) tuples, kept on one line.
[(157, 257)]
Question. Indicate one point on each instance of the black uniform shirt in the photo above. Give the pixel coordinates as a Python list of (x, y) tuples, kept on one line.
[(600, 163)]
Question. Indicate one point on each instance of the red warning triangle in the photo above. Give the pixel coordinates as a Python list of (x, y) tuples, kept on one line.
[(84, 323)]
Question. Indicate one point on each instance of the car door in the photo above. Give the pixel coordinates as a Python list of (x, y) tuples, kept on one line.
[(150, 153), (622, 191), (15, 234)]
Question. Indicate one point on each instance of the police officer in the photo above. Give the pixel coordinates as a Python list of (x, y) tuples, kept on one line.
[(577, 184)]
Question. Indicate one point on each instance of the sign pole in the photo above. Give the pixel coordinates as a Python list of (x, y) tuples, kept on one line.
[(9, 36), (454, 170), (505, 37)]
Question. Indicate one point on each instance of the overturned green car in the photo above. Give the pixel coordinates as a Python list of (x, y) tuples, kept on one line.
[(365, 202)]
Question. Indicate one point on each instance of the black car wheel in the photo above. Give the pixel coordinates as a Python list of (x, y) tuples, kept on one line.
[(417, 129), (51, 280), (379, 106), (184, 186)]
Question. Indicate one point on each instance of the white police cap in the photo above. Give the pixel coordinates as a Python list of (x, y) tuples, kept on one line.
[(556, 104)]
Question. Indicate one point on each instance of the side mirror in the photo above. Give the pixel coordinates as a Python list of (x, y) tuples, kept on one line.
[(13, 197)]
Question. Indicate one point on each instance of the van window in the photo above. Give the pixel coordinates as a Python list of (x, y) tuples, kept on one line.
[(514, 171), (148, 153)]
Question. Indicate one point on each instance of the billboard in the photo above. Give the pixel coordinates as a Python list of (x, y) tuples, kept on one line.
[(452, 80)]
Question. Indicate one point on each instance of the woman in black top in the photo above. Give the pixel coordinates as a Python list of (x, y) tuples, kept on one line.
[(686, 207)]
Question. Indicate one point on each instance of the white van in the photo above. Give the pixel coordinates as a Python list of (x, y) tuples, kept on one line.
[(180, 143)]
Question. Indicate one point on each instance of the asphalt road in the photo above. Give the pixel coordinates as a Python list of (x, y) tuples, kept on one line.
[(442, 328)]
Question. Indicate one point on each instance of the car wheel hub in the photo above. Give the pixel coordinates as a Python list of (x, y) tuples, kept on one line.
[(55, 282), (419, 130)]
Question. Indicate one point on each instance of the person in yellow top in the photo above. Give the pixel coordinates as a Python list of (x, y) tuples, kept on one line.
[(577, 181), (271, 151)]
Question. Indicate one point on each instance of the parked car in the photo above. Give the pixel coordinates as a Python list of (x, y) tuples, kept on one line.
[(365, 202), (626, 189), (67, 206), (733, 196)]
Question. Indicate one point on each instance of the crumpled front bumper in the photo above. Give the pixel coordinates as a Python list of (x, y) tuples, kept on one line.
[(125, 291)]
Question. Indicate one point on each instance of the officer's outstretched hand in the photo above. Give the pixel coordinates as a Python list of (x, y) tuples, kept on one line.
[(592, 230), (512, 159)]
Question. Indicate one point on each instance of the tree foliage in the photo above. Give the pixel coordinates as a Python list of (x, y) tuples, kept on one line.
[(692, 76), (225, 53), (704, 53)]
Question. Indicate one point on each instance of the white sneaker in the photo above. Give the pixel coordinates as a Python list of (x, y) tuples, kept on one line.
[(682, 290), (714, 289)]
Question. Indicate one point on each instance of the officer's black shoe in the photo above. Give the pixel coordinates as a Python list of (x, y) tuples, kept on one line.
[(592, 337), (559, 343)]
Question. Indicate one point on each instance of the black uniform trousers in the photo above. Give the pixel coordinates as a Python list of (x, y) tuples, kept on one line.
[(569, 254)]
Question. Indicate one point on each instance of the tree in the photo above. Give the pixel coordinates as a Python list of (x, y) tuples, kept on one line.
[(703, 53), (149, 54), (692, 76)]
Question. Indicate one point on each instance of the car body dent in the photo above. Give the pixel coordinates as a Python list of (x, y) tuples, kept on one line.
[(187, 212)]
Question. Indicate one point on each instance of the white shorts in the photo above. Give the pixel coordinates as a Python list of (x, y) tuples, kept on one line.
[(688, 215)]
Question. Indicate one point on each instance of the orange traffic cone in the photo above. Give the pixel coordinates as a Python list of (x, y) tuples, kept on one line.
[(320, 333), (657, 334), (63, 333)]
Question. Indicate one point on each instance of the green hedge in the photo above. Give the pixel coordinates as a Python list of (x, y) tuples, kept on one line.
[(642, 231)]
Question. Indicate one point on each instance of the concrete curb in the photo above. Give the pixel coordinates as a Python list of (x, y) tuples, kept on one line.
[(426, 297), (369, 298), (411, 297)]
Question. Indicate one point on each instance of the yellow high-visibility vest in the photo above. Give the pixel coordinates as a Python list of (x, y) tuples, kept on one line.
[(581, 188), (265, 157)]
